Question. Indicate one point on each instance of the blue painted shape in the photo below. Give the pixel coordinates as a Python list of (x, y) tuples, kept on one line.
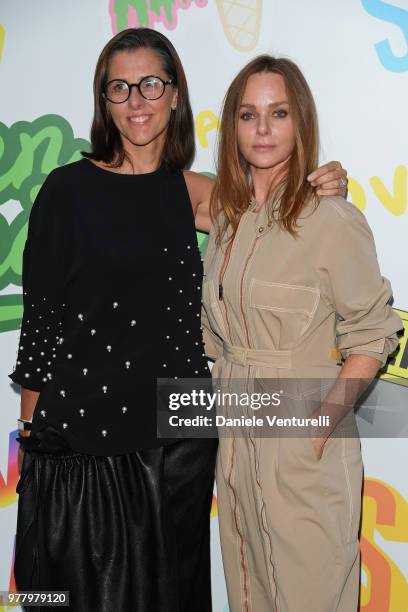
[(397, 16)]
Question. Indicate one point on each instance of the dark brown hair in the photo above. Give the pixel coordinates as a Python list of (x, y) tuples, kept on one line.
[(232, 191), (106, 143)]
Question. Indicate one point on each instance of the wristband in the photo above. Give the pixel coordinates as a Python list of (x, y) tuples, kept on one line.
[(24, 425)]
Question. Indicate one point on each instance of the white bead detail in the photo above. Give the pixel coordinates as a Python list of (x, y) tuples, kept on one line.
[(127, 364), (109, 348), (69, 356), (93, 332), (82, 412), (104, 388), (164, 365), (115, 304), (30, 359), (43, 413), (26, 375), (124, 409), (62, 393), (133, 323), (65, 425), (38, 370), (85, 371), (104, 433), (81, 317), (170, 278)]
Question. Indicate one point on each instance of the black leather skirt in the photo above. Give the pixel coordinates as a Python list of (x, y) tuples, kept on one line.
[(122, 533)]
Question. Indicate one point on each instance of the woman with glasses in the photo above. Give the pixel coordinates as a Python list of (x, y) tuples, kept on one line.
[(112, 292)]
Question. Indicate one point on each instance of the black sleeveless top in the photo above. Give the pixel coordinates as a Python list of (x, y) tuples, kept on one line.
[(112, 296)]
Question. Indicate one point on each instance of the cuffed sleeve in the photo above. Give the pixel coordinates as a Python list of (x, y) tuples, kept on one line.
[(366, 322), (43, 289)]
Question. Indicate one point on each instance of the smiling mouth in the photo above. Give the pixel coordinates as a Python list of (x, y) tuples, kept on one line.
[(140, 120)]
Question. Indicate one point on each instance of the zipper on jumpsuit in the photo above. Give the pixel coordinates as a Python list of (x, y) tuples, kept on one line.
[(223, 270)]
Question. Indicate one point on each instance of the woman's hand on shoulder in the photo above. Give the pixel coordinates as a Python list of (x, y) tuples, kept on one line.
[(200, 188), (329, 179)]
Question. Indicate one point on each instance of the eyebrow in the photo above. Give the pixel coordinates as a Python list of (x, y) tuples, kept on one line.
[(272, 105)]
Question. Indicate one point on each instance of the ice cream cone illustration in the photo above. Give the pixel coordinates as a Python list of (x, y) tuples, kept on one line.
[(241, 20)]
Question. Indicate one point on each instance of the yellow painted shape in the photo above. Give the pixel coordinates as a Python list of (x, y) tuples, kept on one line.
[(2, 37), (205, 122), (397, 371), (357, 194), (396, 202)]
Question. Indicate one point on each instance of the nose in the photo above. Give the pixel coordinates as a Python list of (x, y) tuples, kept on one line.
[(135, 99), (263, 125)]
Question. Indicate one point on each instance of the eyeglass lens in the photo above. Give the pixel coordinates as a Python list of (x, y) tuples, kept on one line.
[(151, 88)]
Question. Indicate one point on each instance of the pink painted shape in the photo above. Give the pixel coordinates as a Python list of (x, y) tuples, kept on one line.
[(153, 18)]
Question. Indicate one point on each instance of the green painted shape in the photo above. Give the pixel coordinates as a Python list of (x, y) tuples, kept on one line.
[(167, 5), (28, 153), (142, 7), (121, 8), (11, 312)]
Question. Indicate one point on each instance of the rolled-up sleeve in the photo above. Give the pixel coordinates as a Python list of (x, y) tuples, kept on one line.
[(366, 321), (43, 289)]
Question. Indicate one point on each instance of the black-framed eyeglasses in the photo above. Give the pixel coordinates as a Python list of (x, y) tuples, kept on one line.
[(150, 87)]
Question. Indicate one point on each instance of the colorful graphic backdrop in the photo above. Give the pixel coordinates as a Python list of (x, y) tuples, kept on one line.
[(355, 56)]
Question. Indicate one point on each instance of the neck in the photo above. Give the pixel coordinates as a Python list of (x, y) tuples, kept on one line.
[(142, 158), (264, 180)]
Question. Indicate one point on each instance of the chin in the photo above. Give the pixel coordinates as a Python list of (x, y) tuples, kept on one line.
[(264, 164)]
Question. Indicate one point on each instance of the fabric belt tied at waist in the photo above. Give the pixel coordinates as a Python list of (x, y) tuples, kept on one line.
[(256, 357)]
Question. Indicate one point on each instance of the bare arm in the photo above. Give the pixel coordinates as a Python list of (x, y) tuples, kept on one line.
[(200, 188), (325, 179)]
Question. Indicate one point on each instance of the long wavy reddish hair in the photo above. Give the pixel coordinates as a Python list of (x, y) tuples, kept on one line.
[(232, 192)]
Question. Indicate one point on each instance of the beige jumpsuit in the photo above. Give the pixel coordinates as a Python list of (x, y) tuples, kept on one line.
[(288, 522)]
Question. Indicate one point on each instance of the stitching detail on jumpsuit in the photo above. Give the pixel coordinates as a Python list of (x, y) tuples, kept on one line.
[(264, 524), (348, 483), (240, 536)]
